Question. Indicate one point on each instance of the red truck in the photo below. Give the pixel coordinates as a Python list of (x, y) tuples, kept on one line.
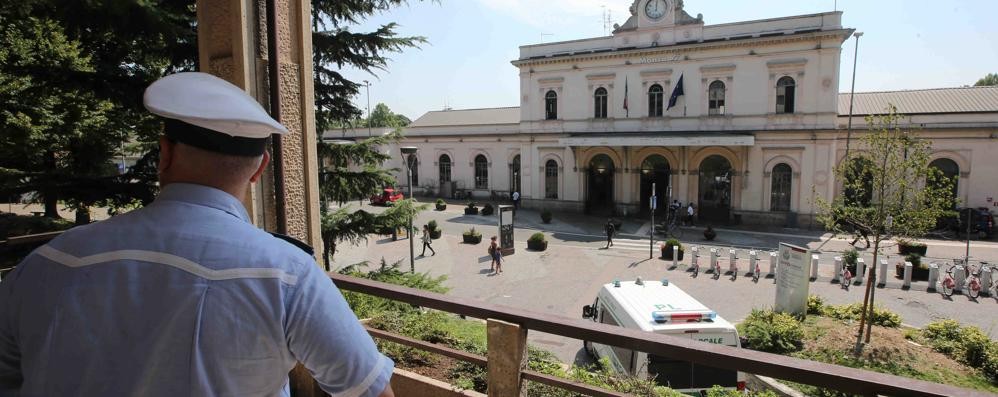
[(387, 197)]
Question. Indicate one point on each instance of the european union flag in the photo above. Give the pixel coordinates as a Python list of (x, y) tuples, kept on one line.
[(676, 93)]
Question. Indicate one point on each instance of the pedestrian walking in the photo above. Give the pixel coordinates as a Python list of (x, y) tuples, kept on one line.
[(610, 229), (496, 255), (516, 200), (427, 241), (689, 214), (186, 296)]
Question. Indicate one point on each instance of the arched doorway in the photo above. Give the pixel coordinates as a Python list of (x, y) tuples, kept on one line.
[(599, 197), (951, 171), (715, 189), (655, 169), (514, 175)]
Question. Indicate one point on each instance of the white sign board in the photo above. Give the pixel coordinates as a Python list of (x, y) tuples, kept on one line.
[(792, 280)]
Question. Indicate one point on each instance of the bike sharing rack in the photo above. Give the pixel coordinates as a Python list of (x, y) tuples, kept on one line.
[(933, 277), (882, 275), (753, 257), (814, 266), (860, 271), (772, 264), (838, 270), (732, 260), (960, 277), (985, 279), (907, 275), (713, 259), (694, 256), (675, 256)]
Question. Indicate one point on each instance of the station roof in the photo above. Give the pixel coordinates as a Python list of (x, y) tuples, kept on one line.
[(928, 101)]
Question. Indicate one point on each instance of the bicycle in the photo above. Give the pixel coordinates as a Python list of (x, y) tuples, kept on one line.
[(973, 284), (717, 269), (696, 266), (846, 277), (757, 272), (734, 266), (949, 283), (672, 228)]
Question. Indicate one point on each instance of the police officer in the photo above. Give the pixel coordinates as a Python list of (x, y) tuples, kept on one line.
[(184, 297)]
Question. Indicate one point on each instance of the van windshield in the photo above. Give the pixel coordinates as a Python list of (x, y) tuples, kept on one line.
[(679, 374)]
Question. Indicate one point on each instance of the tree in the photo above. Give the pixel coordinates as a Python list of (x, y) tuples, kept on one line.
[(991, 79), (890, 192), (382, 116)]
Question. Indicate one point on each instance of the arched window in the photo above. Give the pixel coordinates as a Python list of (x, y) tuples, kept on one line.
[(599, 103), (413, 162), (782, 186), (551, 179), (444, 164), (715, 102), (551, 105), (785, 88), (950, 170), (481, 172), (655, 101)]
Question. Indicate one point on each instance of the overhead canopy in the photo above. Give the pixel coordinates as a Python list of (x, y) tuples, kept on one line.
[(660, 140)]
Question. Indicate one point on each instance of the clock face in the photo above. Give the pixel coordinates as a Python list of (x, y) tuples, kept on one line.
[(656, 9)]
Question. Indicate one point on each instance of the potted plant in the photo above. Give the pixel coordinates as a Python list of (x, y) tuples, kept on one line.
[(849, 259), (919, 271), (488, 209), (546, 216), (441, 205), (472, 236), (435, 231), (536, 242), (709, 233), (906, 247), (471, 209), (667, 249)]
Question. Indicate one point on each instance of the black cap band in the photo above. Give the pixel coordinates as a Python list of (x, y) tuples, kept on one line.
[(214, 141)]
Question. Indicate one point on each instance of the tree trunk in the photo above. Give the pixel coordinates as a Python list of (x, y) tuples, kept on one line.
[(82, 216), (866, 296), (873, 291)]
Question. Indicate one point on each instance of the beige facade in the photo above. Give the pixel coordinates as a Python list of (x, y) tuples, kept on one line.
[(754, 137)]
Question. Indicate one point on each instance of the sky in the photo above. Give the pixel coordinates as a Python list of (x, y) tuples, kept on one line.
[(907, 44)]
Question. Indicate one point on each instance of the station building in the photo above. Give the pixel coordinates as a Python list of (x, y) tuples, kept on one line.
[(744, 120)]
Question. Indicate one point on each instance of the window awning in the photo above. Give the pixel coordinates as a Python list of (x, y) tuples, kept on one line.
[(660, 140)]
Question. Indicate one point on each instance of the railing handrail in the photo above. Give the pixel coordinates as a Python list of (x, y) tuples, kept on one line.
[(831, 376)]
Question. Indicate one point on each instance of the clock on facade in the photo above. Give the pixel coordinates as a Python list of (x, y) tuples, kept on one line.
[(655, 9)]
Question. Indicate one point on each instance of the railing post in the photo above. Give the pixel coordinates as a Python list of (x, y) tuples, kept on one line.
[(507, 347)]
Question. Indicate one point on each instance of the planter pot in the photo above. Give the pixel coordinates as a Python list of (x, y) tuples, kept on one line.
[(471, 211), (546, 219), (917, 273), (537, 245), (905, 249), (435, 233), (709, 236), (667, 254), (472, 239), (487, 211), (441, 207)]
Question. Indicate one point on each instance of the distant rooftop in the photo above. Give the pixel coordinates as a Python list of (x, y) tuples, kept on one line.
[(937, 100), (486, 116)]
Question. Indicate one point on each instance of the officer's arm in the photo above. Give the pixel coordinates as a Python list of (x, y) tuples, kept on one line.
[(325, 335), (10, 354), (387, 392)]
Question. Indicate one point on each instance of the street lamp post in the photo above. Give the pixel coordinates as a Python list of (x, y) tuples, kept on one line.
[(852, 94), (367, 84), (407, 156)]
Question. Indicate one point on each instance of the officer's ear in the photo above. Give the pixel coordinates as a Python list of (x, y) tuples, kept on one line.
[(263, 165), (166, 152)]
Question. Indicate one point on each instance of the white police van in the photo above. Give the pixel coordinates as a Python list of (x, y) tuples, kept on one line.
[(663, 308)]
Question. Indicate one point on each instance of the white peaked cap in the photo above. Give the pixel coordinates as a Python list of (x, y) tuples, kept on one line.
[(211, 103)]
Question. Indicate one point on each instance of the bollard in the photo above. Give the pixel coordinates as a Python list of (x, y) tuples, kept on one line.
[(985, 279), (907, 275), (732, 260), (772, 264), (752, 259), (713, 259), (933, 277), (675, 256), (960, 276), (695, 256), (814, 267), (860, 271), (837, 277), (882, 273)]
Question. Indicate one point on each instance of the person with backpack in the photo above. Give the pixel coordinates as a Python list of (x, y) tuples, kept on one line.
[(427, 241), (610, 229), (496, 255)]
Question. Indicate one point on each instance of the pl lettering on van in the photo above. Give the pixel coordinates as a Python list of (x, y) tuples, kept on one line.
[(661, 306), (716, 341)]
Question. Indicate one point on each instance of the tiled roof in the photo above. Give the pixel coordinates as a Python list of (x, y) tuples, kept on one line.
[(939, 100), (507, 115)]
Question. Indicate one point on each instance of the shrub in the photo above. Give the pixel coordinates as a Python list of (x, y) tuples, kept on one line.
[(915, 259), (850, 256), (472, 204), (365, 306), (709, 233), (432, 225), (488, 209), (968, 345), (667, 248), (773, 332), (536, 237), (472, 232), (815, 305), (441, 202), (881, 316), (546, 216)]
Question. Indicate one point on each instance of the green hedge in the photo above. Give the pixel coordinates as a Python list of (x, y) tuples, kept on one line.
[(773, 332), (967, 344), (882, 317)]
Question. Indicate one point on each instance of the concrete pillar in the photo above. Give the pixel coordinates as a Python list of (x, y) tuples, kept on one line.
[(713, 259), (933, 277), (814, 266), (882, 273), (837, 277), (772, 264), (232, 44), (753, 258), (986, 272), (507, 357), (860, 271), (695, 255), (960, 276), (907, 275)]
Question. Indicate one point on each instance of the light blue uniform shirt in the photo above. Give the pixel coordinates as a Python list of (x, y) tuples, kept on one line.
[(181, 298)]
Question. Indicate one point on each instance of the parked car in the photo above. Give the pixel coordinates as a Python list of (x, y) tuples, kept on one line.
[(982, 222), (388, 196)]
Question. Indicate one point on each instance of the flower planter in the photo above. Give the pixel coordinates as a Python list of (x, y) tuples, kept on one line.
[(537, 245), (918, 273), (905, 249), (487, 210), (667, 254), (709, 235), (471, 210), (472, 238), (435, 233), (441, 207)]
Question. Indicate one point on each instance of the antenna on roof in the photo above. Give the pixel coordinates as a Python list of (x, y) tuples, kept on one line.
[(607, 20)]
